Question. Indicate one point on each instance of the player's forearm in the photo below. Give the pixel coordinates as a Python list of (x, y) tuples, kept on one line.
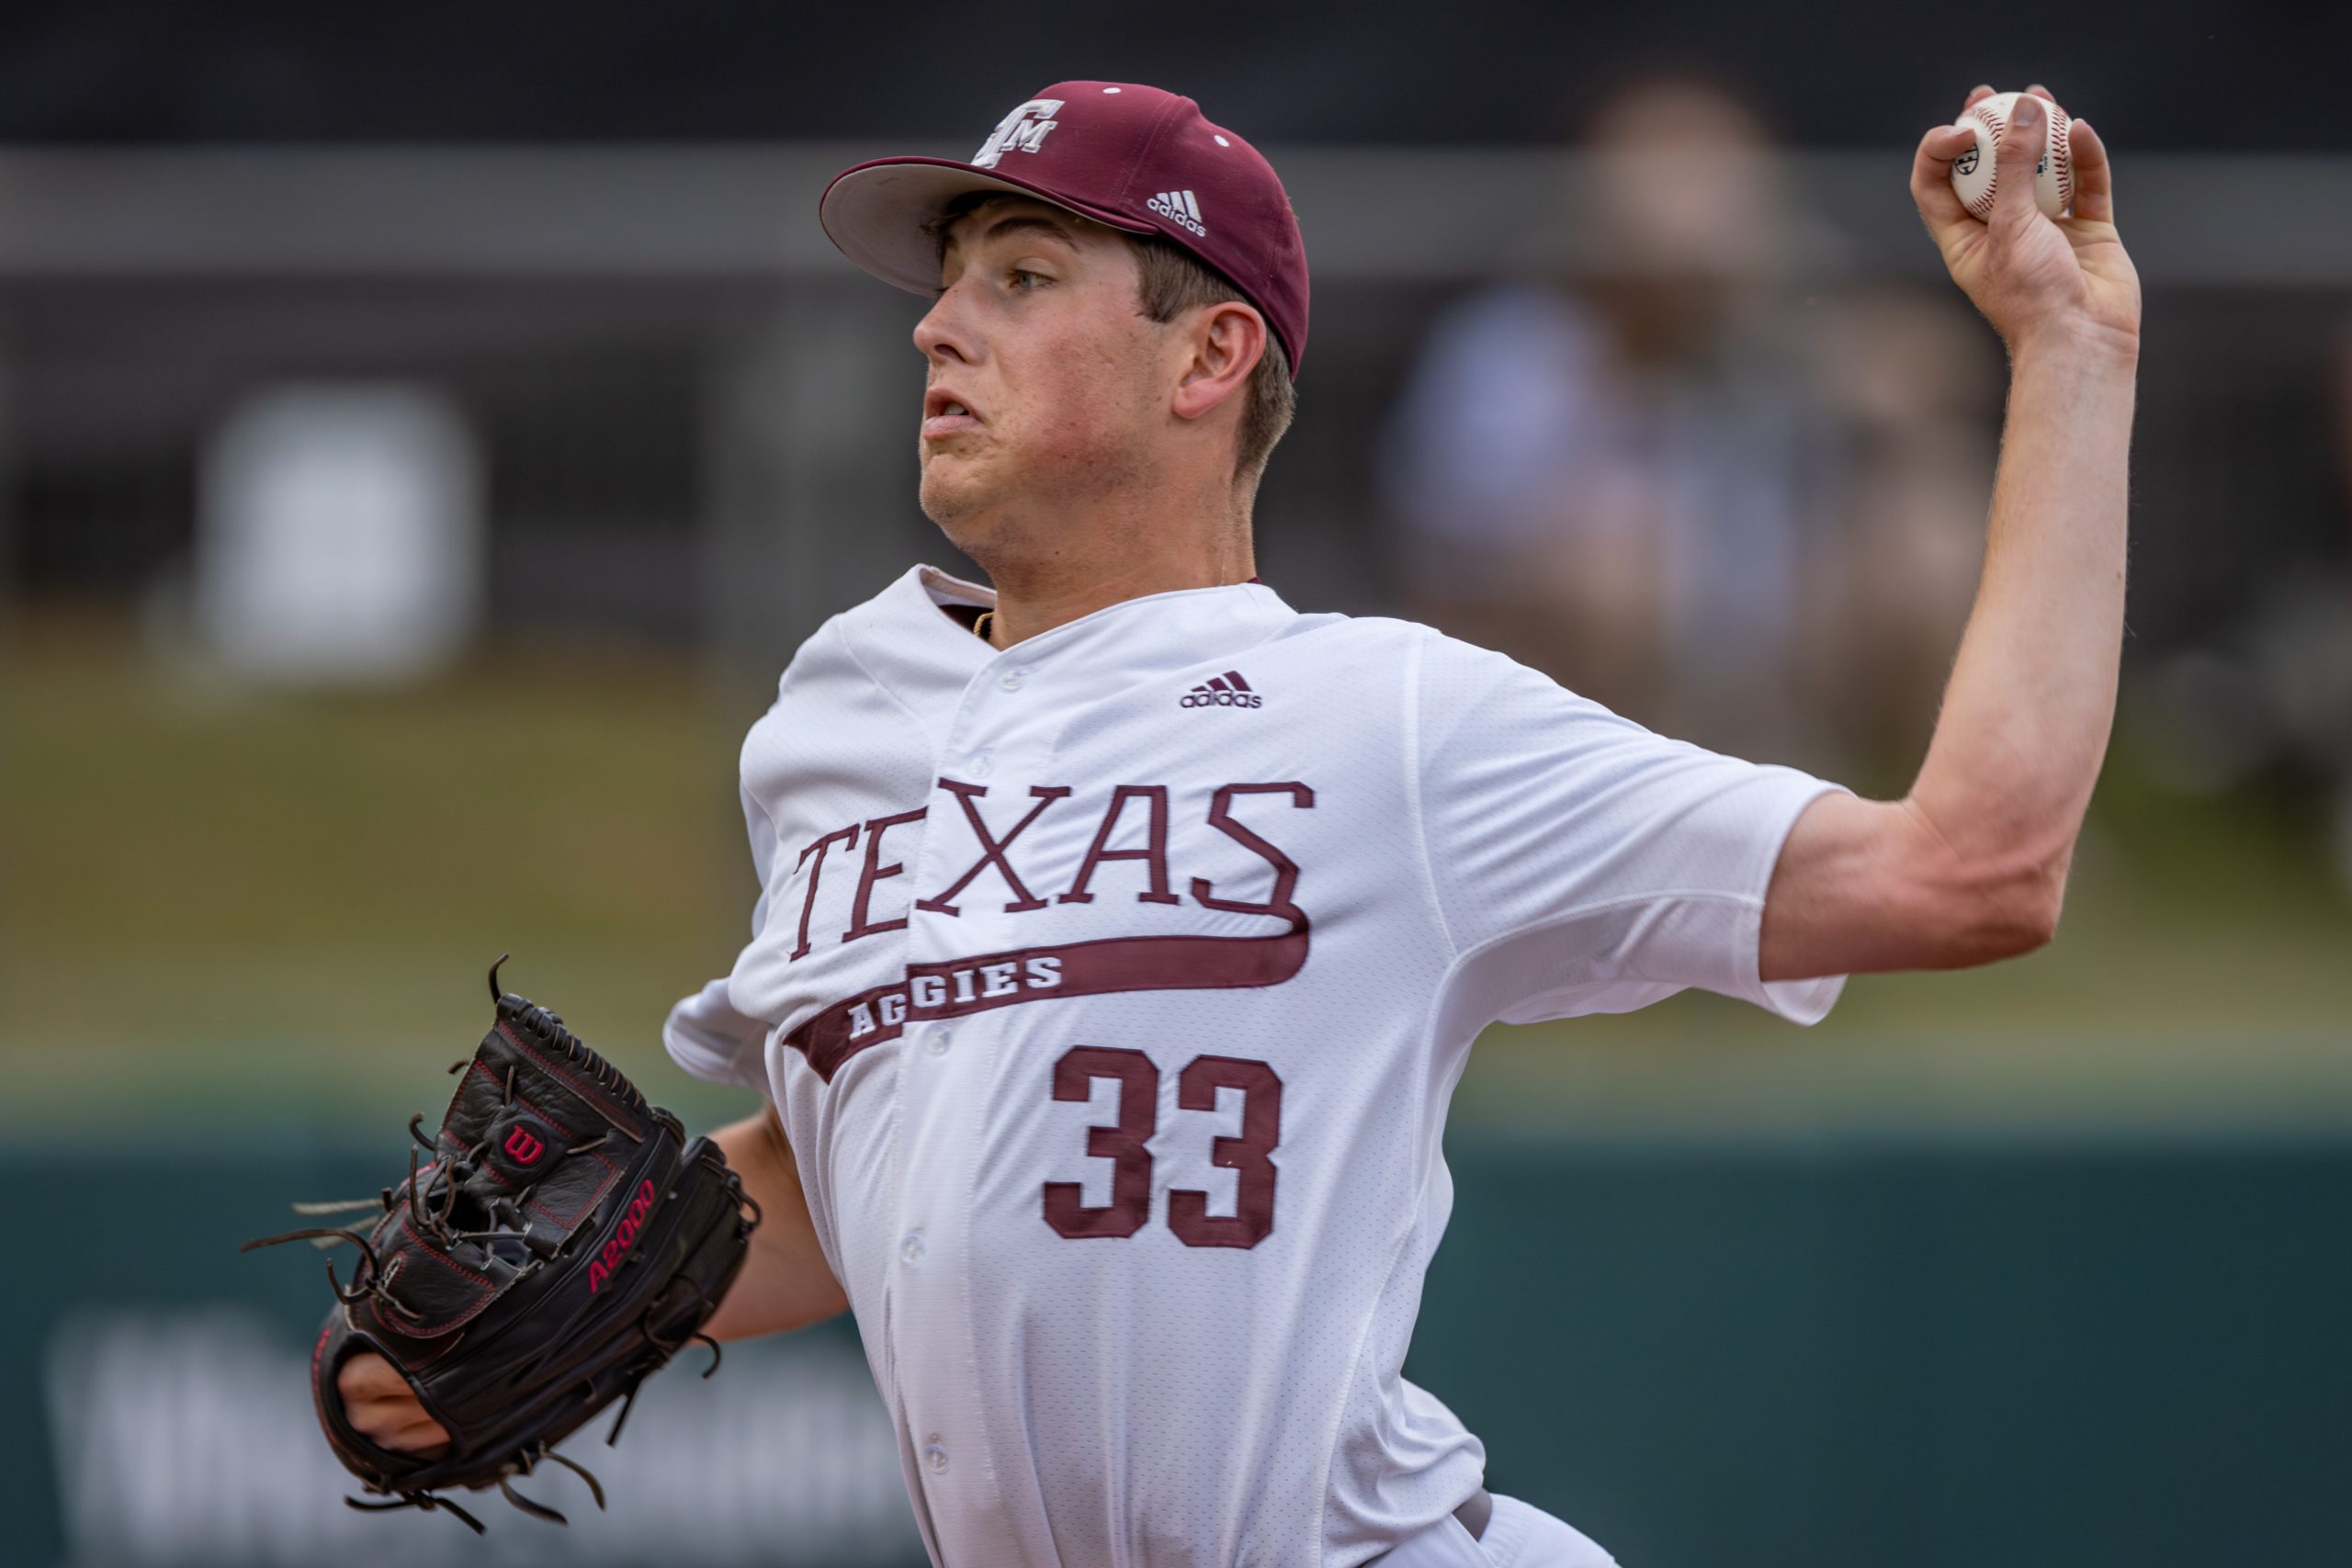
[(2032, 698), (786, 1283)]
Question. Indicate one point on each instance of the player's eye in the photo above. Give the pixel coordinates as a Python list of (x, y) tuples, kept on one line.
[(1022, 279)]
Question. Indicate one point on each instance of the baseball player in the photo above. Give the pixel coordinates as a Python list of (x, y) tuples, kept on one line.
[(1123, 930)]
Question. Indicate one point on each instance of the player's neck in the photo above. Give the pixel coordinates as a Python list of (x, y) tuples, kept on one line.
[(1031, 600)]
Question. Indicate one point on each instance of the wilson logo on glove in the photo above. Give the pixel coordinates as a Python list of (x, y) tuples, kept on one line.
[(523, 1148), (623, 1238)]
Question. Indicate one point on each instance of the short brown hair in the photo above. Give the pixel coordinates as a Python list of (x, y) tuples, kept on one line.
[(1171, 280)]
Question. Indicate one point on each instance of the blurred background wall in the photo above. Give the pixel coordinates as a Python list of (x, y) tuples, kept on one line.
[(423, 435)]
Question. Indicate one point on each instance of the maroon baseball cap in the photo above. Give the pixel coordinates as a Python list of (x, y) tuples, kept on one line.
[(1132, 157)]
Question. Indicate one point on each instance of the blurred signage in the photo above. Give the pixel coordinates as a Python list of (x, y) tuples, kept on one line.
[(339, 535), (187, 1440)]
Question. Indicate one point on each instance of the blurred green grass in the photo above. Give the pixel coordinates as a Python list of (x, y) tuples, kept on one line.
[(271, 907), (288, 901)]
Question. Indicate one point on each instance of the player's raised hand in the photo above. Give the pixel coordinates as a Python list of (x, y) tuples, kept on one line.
[(2033, 277)]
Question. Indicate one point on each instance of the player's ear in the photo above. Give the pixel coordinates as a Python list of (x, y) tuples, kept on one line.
[(1222, 345)]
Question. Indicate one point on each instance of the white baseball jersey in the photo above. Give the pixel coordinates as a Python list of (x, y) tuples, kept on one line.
[(1113, 988)]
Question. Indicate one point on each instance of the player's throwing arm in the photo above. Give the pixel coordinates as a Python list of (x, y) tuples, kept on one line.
[(1972, 865)]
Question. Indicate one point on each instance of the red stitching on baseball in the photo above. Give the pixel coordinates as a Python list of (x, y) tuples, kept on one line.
[(2059, 147), (1983, 206), (2062, 143)]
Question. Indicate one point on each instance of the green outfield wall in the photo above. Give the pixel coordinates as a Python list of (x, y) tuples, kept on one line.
[(1829, 1351)]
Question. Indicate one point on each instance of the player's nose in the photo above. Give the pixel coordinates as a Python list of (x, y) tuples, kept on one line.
[(943, 335)]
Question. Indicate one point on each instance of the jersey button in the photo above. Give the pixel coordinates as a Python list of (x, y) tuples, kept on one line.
[(983, 765), (911, 1249), (1013, 680), (934, 1454), (935, 1039)]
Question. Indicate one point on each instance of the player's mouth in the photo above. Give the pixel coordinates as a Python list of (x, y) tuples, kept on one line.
[(946, 414)]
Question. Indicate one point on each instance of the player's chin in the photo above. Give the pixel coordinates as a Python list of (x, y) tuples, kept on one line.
[(953, 487)]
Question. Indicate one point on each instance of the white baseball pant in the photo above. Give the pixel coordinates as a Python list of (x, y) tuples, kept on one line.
[(1518, 1535)]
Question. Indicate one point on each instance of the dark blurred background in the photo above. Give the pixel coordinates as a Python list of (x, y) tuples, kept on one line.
[(424, 435)]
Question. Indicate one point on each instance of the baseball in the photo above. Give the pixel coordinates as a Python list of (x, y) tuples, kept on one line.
[(2054, 174)]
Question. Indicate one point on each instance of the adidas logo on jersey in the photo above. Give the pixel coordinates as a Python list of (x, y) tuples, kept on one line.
[(1225, 691), (1178, 207)]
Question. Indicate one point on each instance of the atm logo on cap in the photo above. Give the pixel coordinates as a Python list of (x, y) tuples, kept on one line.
[(1022, 130)]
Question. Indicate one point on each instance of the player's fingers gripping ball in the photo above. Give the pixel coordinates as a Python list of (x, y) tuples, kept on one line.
[(1976, 173)]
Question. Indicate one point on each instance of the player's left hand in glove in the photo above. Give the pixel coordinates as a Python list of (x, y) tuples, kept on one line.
[(563, 1241)]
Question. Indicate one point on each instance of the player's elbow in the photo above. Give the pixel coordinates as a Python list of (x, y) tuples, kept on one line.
[(2003, 906), (1980, 894), (1875, 885), (2025, 916)]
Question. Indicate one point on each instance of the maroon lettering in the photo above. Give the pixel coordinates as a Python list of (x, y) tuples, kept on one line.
[(872, 1017), (835, 1033), (1122, 1142), (1286, 869), (992, 848), (875, 871), (1126, 1143), (820, 848), (984, 981), (1261, 1127), (1153, 855)]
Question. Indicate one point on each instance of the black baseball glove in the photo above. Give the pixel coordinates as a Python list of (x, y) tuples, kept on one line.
[(563, 1242)]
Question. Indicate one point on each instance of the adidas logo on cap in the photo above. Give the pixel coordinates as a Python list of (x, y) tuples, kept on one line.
[(1225, 691), (1178, 207)]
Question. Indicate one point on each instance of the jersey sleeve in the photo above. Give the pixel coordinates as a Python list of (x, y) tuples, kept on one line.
[(706, 1034), (1581, 863)]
